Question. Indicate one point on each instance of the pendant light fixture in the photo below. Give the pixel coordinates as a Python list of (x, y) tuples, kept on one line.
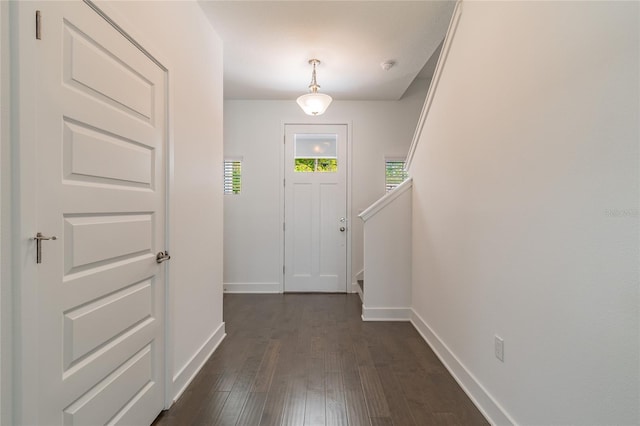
[(314, 103)]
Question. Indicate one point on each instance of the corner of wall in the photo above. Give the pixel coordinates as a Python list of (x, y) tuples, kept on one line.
[(186, 374), (385, 314), (481, 398)]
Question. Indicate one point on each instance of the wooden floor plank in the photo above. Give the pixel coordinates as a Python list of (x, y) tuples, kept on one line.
[(309, 359), (209, 411), (356, 408), (336, 410), (373, 392), (357, 412), (267, 367), (232, 408), (381, 421), (252, 411), (274, 404), (295, 402), (314, 413), (246, 376), (398, 409), (332, 362)]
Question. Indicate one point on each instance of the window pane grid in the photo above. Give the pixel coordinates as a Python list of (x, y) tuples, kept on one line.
[(232, 177), (322, 165), (395, 174)]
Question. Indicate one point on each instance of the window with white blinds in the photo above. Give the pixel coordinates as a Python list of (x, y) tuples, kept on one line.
[(232, 176), (395, 173)]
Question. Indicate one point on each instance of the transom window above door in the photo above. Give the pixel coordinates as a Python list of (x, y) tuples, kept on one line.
[(316, 153)]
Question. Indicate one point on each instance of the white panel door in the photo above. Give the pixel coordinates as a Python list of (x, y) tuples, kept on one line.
[(315, 208), (100, 143)]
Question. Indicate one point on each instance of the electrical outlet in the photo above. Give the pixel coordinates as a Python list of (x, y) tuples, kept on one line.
[(499, 348)]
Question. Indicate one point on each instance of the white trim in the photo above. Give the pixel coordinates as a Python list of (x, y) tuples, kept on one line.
[(385, 314), (23, 158), (252, 287), (281, 200), (186, 374), (386, 199), (482, 399), (433, 87), (349, 192)]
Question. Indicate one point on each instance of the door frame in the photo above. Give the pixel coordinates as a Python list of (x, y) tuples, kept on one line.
[(23, 203), (349, 125)]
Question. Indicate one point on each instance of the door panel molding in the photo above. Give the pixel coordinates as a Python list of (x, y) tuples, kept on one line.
[(347, 212), (144, 282)]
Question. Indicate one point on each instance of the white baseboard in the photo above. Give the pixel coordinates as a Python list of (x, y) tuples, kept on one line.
[(385, 314), (252, 288), (487, 405), (186, 374)]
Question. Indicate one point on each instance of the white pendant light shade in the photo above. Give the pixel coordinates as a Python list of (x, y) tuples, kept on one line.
[(314, 103)]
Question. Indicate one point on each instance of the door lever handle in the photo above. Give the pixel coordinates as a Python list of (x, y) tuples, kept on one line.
[(39, 238), (162, 256)]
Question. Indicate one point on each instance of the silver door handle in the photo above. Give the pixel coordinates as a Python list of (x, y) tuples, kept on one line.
[(162, 256), (39, 238), (342, 229)]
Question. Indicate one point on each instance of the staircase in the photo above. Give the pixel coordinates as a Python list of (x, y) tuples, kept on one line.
[(387, 257)]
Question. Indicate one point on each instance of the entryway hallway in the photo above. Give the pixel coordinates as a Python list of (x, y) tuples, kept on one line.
[(309, 359)]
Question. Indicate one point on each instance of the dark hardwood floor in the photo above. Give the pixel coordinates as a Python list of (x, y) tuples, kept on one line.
[(309, 359)]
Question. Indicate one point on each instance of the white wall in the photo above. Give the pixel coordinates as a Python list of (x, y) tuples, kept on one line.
[(253, 131), (387, 257), (183, 37), (525, 210)]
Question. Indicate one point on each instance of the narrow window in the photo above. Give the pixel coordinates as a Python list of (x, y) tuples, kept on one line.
[(232, 176), (395, 173)]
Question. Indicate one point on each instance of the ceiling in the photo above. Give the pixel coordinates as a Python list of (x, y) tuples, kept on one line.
[(267, 46)]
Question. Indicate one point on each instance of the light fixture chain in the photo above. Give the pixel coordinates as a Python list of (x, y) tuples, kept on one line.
[(314, 84)]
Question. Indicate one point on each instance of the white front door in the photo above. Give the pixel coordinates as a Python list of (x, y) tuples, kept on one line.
[(100, 189), (315, 208)]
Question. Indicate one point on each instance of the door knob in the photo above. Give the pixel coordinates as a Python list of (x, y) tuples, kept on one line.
[(162, 256), (39, 238)]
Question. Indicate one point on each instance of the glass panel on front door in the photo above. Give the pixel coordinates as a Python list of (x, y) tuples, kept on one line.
[(316, 153)]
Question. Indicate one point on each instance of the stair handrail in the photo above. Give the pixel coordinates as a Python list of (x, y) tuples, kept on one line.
[(386, 199)]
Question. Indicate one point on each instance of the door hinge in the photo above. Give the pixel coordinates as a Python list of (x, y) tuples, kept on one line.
[(38, 26), (283, 226), (284, 182), (282, 269)]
